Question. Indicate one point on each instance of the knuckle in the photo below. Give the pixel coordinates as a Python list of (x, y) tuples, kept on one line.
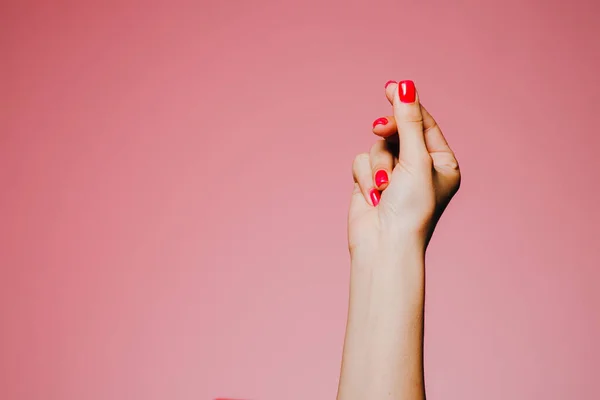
[(411, 114), (453, 165), (431, 128), (360, 158)]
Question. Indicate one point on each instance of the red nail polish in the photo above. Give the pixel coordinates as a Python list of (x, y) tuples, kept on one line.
[(380, 121), (375, 196), (381, 177), (407, 92), (388, 83)]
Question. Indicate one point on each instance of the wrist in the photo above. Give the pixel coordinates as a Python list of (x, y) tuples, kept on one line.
[(391, 249), (394, 270)]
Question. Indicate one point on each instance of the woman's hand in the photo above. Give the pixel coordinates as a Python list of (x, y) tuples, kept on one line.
[(405, 182), (402, 186)]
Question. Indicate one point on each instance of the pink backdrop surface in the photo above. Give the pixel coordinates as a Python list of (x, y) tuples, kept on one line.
[(175, 178)]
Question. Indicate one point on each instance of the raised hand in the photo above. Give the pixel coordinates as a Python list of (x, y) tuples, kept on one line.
[(413, 166), (402, 186)]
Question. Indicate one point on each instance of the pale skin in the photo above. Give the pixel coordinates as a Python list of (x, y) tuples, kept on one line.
[(387, 238)]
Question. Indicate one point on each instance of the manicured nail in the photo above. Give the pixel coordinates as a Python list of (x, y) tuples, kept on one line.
[(388, 83), (380, 121), (375, 196), (407, 92), (381, 177)]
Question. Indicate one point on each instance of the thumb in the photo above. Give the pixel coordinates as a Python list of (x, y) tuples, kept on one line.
[(409, 120)]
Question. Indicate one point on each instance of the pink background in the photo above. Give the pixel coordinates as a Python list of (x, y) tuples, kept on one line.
[(175, 180)]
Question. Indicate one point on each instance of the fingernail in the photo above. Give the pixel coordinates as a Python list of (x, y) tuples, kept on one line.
[(375, 196), (388, 83), (380, 121), (381, 177), (407, 92)]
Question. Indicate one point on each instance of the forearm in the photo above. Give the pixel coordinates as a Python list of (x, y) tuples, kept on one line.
[(383, 350)]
